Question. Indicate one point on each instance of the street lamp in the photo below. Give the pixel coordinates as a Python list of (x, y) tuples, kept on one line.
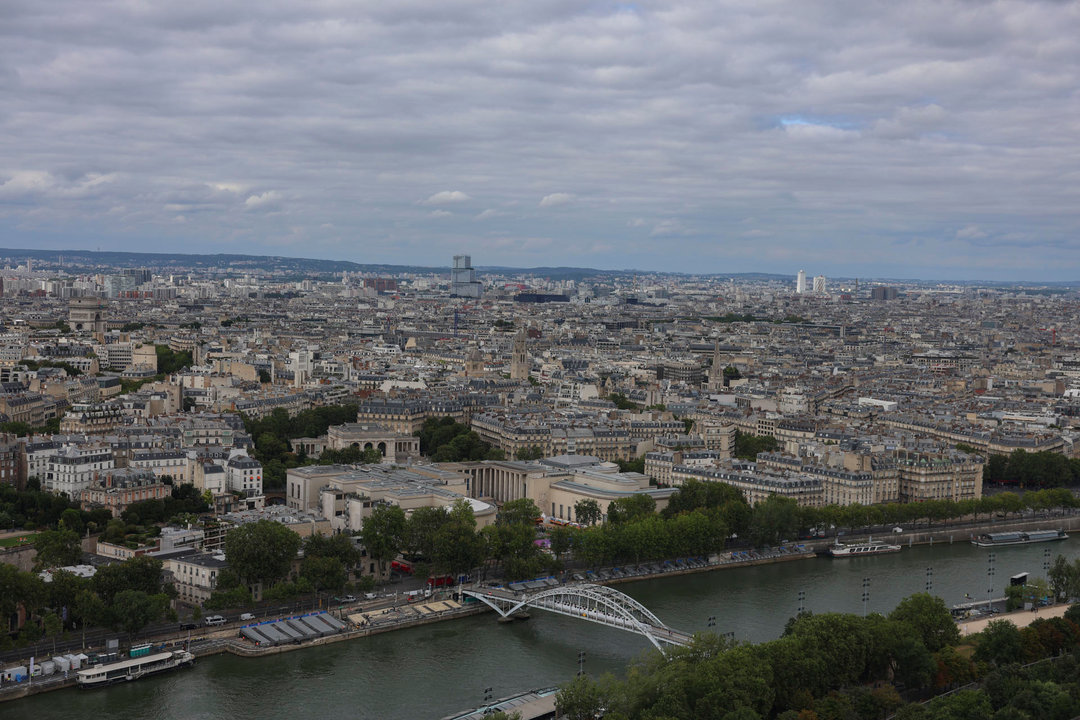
[(929, 580), (581, 663), (865, 594), (712, 621), (802, 602), (990, 581), (487, 696)]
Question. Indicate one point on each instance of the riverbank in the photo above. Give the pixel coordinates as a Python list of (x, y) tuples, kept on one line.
[(384, 618)]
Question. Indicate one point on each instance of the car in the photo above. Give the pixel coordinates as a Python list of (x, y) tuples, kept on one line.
[(346, 599), (245, 617), (189, 626), (898, 529), (215, 620)]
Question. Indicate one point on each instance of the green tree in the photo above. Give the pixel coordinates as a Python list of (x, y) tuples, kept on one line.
[(383, 533), (587, 511), (132, 610), (774, 519), (53, 626), (325, 573), (71, 519), (631, 508), (580, 699), (999, 643), (458, 548), (262, 551), (929, 617), (748, 446), (534, 452), (522, 510), (338, 546), (57, 548), (422, 528)]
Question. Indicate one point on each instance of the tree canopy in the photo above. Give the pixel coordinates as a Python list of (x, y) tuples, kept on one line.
[(262, 551)]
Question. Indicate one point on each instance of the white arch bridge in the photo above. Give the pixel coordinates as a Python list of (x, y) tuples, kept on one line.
[(595, 603)]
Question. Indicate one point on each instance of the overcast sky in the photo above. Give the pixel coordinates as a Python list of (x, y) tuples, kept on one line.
[(923, 139)]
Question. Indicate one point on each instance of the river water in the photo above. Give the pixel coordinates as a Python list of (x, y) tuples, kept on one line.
[(434, 670)]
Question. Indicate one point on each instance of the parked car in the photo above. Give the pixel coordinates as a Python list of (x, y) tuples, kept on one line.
[(189, 626), (245, 617), (898, 529), (215, 620)]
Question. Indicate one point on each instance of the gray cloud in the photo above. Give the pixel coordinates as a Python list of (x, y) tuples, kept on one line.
[(847, 130)]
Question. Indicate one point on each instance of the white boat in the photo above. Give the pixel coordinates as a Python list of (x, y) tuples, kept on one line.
[(1018, 538), (870, 547), (133, 668)]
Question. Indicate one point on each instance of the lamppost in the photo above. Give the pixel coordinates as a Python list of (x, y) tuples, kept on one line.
[(581, 663), (487, 697), (865, 594), (712, 621), (929, 580), (802, 602), (990, 581)]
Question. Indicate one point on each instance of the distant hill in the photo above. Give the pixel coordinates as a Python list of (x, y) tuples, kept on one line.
[(98, 260)]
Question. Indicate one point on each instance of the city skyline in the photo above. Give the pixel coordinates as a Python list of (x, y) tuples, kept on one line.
[(931, 141)]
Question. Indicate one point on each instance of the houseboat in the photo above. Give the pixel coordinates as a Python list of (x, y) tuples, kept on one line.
[(1018, 538), (133, 668)]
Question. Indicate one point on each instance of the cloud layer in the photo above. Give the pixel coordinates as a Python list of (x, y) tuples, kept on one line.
[(691, 136)]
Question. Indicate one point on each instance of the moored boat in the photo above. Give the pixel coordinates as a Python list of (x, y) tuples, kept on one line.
[(870, 547), (133, 668), (1018, 537)]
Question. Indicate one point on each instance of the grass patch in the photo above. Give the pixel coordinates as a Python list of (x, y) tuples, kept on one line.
[(25, 539)]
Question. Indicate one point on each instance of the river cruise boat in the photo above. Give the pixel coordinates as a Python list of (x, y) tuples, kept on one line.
[(1018, 538), (870, 547), (133, 668)]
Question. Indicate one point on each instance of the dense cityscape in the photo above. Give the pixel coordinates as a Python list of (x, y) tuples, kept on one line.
[(187, 447), (603, 360)]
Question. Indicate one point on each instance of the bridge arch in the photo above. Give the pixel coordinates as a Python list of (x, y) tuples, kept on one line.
[(595, 603)]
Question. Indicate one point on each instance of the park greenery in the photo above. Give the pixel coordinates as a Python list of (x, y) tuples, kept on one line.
[(273, 433), (748, 446), (70, 369), (844, 667), (445, 440), (622, 402)]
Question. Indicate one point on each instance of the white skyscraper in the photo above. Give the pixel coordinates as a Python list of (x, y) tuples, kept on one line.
[(819, 285), (800, 282)]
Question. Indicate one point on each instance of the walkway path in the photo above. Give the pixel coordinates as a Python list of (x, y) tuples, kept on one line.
[(1019, 618)]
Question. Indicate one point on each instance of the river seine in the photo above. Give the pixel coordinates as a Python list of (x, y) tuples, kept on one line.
[(432, 671)]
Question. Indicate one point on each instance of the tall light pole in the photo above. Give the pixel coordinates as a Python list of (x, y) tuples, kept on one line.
[(487, 697), (865, 594), (929, 580), (802, 602), (990, 581), (712, 621), (581, 663)]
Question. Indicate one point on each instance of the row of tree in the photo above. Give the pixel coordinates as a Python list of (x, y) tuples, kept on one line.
[(124, 596), (845, 667), (1042, 469), (264, 553)]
